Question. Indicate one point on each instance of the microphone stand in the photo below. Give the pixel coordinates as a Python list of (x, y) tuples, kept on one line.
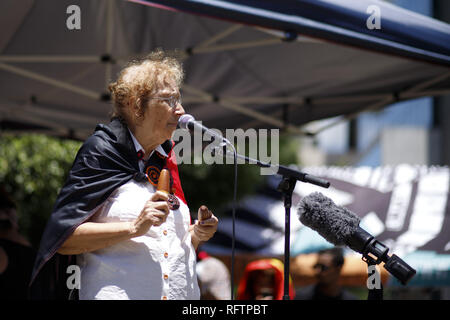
[(286, 187)]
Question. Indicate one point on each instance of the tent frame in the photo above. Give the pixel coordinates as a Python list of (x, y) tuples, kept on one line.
[(236, 104)]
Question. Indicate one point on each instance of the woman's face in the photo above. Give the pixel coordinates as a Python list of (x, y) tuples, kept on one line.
[(160, 119)]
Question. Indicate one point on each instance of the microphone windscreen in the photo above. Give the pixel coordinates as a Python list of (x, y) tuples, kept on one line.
[(184, 120), (334, 223)]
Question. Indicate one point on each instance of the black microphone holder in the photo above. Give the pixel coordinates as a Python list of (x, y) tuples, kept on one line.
[(286, 187)]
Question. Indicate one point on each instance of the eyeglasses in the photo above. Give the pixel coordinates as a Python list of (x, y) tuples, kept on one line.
[(171, 101)]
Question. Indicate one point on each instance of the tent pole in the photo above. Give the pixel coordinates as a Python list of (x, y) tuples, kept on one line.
[(50, 81), (442, 92), (282, 35), (243, 110), (48, 59), (266, 100), (76, 77), (109, 39), (16, 116), (230, 105), (205, 47), (407, 94), (36, 111), (427, 84), (109, 26), (341, 99), (350, 99), (235, 103), (222, 47), (219, 36), (12, 114), (262, 117), (354, 115), (254, 114), (237, 45), (197, 92), (213, 39)]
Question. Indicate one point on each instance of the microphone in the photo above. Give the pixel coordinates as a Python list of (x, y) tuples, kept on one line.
[(187, 122), (340, 226)]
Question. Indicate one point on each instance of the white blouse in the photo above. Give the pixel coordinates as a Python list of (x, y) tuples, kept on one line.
[(157, 265)]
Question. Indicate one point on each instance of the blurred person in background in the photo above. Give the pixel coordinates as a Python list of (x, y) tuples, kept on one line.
[(263, 280), (213, 278), (16, 254), (327, 271)]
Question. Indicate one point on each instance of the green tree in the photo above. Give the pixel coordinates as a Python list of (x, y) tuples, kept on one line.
[(33, 168)]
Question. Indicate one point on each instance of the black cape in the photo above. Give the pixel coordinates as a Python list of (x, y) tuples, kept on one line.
[(105, 161)]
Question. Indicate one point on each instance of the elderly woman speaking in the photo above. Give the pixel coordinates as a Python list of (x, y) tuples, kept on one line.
[(112, 234)]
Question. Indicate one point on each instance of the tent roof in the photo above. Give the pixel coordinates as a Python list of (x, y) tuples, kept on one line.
[(401, 32), (248, 63)]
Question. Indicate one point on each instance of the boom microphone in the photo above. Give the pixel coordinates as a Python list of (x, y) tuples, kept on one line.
[(340, 226)]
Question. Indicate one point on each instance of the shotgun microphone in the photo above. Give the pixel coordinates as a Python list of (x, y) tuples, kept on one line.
[(340, 226)]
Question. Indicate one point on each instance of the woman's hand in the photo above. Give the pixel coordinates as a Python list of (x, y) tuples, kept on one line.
[(91, 236), (154, 213), (203, 230)]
